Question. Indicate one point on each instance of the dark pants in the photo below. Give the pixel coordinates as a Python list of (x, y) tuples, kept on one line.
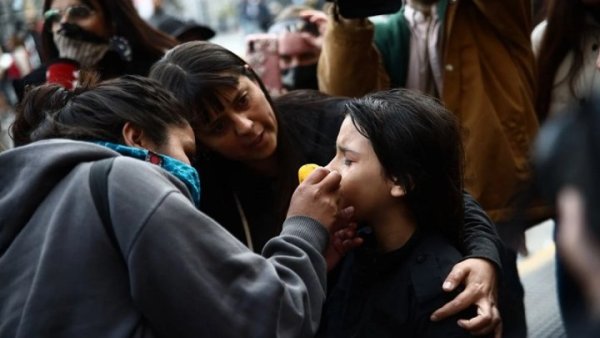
[(511, 297)]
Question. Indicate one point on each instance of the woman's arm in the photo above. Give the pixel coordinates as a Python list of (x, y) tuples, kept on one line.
[(349, 64), (478, 272), (190, 277)]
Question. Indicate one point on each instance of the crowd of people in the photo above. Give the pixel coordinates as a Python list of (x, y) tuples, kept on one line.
[(152, 189)]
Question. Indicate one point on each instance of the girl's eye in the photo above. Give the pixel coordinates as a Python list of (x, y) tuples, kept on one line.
[(347, 162)]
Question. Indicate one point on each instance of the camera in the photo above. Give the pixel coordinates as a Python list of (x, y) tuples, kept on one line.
[(352, 9)]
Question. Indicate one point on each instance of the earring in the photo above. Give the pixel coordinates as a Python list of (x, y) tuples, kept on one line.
[(121, 46)]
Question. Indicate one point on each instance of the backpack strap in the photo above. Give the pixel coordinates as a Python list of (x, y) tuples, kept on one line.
[(99, 187)]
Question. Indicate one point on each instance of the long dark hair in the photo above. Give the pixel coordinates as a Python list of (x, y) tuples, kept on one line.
[(563, 34), (418, 144), (97, 112), (198, 73), (147, 43)]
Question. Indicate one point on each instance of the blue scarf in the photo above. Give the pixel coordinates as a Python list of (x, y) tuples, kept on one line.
[(186, 173)]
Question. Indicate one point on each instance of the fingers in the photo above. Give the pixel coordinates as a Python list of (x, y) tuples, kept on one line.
[(483, 323), (346, 239), (498, 331), (455, 278), (316, 176), (314, 16), (487, 321), (469, 296), (331, 182), (345, 214)]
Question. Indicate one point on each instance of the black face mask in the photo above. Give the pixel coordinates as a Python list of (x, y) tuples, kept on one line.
[(300, 77), (77, 33)]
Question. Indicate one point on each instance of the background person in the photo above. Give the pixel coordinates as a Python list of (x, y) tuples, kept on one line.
[(299, 31), (567, 174), (105, 36), (566, 47)]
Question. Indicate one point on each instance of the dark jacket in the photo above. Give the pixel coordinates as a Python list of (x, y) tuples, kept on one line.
[(393, 294), (176, 272)]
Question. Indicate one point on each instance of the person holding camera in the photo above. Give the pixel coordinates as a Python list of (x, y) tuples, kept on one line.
[(299, 31)]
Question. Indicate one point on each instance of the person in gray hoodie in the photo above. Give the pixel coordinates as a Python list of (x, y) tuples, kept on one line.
[(168, 270)]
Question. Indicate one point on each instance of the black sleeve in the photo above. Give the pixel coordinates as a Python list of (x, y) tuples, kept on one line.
[(480, 238)]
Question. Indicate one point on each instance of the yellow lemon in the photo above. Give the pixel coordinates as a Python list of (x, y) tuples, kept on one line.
[(305, 170)]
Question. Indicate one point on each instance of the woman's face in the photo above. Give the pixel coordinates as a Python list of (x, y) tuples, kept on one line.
[(363, 184), (90, 18), (179, 144), (246, 130)]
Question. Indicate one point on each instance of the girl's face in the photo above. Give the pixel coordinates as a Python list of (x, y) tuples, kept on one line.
[(180, 143), (246, 130), (89, 17), (363, 184)]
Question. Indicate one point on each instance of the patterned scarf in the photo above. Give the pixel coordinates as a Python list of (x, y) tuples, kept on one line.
[(186, 173)]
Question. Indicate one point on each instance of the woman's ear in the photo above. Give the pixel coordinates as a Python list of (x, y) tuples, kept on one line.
[(397, 190), (134, 136)]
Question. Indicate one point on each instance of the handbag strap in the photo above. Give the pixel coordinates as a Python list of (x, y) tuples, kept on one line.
[(99, 187)]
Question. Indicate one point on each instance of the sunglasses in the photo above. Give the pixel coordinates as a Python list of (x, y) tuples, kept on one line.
[(76, 12), (295, 25)]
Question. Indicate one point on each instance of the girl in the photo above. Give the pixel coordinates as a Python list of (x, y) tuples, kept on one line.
[(400, 157)]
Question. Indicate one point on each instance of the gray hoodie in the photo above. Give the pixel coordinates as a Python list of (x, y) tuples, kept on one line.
[(177, 273)]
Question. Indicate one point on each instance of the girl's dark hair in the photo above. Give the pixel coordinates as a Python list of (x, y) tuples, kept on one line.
[(147, 43), (97, 112), (418, 144), (313, 119), (563, 34)]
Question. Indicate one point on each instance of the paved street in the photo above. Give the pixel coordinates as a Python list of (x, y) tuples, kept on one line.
[(537, 275)]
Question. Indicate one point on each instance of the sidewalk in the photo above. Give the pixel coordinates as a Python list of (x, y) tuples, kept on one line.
[(538, 277)]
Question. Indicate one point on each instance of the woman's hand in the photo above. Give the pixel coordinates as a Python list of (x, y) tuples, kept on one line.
[(318, 197), (341, 242), (479, 278)]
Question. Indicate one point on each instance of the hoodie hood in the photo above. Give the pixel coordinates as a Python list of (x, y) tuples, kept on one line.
[(29, 173)]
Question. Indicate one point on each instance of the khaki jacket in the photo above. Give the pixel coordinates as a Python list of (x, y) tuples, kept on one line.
[(488, 83)]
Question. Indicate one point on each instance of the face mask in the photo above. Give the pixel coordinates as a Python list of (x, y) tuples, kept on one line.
[(77, 44), (184, 172), (300, 77)]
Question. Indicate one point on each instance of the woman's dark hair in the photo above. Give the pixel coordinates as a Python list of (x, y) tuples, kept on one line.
[(147, 43), (563, 34), (418, 144), (97, 112), (199, 73)]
